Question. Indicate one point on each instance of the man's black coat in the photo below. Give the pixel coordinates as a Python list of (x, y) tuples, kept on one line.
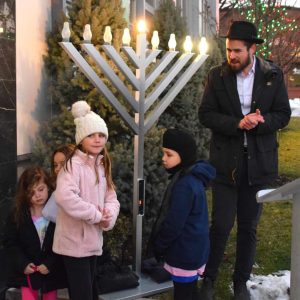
[(220, 111)]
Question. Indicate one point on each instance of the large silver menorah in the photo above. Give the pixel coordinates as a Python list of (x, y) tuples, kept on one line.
[(140, 102)]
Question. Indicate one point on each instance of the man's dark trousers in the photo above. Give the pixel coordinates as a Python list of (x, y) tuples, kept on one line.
[(230, 201)]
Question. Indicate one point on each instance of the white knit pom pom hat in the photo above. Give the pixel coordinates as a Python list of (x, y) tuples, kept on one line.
[(86, 121)]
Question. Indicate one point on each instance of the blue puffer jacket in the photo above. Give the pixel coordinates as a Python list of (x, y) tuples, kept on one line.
[(183, 238)]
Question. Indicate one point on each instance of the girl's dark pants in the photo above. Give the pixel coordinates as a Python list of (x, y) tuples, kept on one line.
[(81, 277), (230, 202)]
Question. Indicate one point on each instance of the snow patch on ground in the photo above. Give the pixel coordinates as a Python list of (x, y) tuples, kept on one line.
[(270, 287), (295, 107)]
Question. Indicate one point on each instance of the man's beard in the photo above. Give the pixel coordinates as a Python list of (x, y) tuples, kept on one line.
[(236, 68)]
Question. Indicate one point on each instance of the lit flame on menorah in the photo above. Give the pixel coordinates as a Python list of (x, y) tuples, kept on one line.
[(141, 59)]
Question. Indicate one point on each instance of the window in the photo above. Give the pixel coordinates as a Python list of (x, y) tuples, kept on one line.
[(294, 77)]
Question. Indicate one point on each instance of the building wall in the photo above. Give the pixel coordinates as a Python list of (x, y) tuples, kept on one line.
[(23, 87), (201, 16), (58, 8), (32, 102), (126, 5), (8, 157), (192, 14)]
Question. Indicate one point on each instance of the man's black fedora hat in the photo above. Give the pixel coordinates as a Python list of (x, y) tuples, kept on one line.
[(243, 30)]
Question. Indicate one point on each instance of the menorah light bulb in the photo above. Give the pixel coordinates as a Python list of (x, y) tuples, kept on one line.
[(141, 26), (155, 40), (107, 37), (126, 37), (188, 44), (87, 33), (203, 46), (172, 42), (66, 33)]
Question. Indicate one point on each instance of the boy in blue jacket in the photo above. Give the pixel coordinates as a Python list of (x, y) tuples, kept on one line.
[(181, 232)]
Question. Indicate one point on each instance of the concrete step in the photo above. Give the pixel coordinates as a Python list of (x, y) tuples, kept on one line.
[(14, 294), (147, 287)]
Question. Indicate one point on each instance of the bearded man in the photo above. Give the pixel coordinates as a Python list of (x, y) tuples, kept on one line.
[(245, 103)]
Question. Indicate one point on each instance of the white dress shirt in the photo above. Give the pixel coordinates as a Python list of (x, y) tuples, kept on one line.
[(245, 87)]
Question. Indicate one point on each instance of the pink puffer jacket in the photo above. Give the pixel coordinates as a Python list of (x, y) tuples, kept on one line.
[(80, 201)]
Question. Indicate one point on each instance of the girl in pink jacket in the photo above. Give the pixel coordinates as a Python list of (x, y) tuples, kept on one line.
[(87, 202)]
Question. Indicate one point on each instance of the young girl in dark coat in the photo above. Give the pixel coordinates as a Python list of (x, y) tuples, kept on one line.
[(28, 240), (181, 233)]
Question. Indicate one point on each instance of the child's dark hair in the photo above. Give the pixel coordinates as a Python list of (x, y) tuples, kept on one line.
[(28, 179)]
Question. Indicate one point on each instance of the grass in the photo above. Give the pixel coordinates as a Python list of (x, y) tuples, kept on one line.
[(289, 145), (274, 231)]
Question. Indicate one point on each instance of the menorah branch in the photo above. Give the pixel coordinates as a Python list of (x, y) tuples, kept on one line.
[(163, 84), (174, 90), (123, 67), (132, 56), (151, 57), (163, 63), (109, 73), (88, 71)]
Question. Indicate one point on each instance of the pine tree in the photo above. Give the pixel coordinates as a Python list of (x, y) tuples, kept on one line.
[(183, 111), (167, 20), (68, 83)]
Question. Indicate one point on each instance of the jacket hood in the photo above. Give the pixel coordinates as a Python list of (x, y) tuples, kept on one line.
[(204, 171)]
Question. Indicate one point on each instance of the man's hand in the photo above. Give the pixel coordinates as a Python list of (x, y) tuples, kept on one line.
[(250, 121)]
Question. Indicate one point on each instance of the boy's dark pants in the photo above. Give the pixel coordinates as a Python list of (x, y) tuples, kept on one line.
[(81, 277), (228, 202), (186, 290)]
